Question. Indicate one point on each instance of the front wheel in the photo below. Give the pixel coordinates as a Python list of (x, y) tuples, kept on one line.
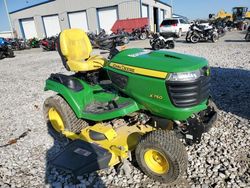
[(194, 39), (143, 36), (10, 53), (125, 40), (162, 156), (156, 46), (59, 115), (1, 55)]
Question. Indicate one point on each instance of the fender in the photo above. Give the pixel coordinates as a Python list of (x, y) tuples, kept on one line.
[(79, 94), (75, 91)]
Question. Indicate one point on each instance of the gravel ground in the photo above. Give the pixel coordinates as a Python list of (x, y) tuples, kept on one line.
[(222, 159)]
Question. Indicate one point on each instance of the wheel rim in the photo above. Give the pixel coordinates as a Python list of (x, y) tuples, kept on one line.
[(56, 120), (143, 36), (194, 39), (156, 161), (215, 38)]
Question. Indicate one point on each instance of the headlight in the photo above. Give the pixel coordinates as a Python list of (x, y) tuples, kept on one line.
[(184, 76)]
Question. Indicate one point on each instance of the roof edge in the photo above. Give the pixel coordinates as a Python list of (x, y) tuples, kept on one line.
[(1, 32), (159, 1), (48, 1)]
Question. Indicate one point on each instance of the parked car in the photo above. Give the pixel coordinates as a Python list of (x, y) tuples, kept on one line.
[(175, 25)]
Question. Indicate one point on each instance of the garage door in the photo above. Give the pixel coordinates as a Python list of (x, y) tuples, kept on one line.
[(78, 20), (51, 25), (107, 18), (29, 28), (161, 17), (145, 11)]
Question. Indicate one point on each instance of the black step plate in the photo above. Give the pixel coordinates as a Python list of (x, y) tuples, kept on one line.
[(80, 157)]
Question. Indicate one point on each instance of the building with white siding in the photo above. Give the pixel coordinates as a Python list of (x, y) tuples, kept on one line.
[(51, 17)]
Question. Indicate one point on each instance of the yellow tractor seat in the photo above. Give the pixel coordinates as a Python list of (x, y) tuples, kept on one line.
[(74, 48)]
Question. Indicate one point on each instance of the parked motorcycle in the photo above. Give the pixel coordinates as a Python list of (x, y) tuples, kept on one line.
[(161, 41), (125, 35), (95, 39), (105, 41), (247, 37), (135, 34), (145, 32), (202, 33), (19, 44), (5, 49), (220, 25), (48, 44), (221, 31), (34, 43)]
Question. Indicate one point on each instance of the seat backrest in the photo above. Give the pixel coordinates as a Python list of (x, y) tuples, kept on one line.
[(74, 44)]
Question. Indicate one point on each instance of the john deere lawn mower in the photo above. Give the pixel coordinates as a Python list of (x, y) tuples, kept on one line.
[(138, 105)]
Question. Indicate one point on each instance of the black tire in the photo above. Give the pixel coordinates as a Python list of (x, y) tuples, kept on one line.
[(70, 121), (171, 45), (125, 40), (143, 36), (156, 46), (168, 146), (214, 107), (194, 39), (1, 55), (247, 37), (151, 41), (215, 38), (10, 53), (188, 37)]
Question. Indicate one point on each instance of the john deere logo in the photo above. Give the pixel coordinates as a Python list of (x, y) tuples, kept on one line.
[(122, 67)]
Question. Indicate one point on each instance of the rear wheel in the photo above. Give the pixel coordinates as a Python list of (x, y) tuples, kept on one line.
[(59, 115), (215, 37), (162, 156), (188, 37), (171, 45)]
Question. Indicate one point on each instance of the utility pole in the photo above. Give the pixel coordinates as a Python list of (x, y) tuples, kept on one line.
[(7, 11)]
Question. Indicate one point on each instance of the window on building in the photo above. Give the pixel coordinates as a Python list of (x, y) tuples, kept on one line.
[(145, 11)]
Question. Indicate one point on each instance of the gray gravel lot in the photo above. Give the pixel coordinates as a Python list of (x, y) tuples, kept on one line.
[(221, 160)]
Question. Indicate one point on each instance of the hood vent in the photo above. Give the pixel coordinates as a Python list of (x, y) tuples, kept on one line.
[(171, 56)]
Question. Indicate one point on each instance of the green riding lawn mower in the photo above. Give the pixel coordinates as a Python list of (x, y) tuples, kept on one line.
[(138, 105)]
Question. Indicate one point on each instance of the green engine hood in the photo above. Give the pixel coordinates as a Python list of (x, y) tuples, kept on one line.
[(164, 61)]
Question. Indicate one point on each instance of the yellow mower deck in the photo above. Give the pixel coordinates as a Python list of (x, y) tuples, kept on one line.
[(118, 142)]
